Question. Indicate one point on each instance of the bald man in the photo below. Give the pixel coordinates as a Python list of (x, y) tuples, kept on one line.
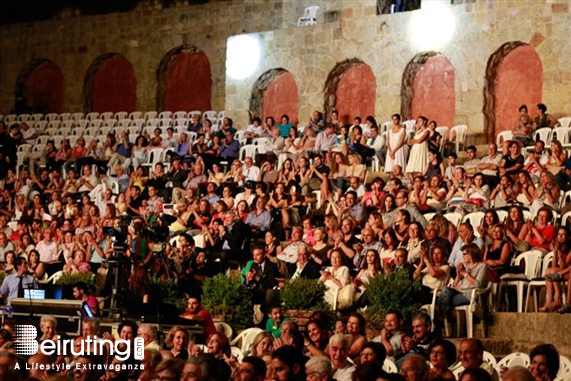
[(35, 363), (518, 373)]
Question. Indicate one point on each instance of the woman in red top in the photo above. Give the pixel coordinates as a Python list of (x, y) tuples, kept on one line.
[(541, 234), (76, 153)]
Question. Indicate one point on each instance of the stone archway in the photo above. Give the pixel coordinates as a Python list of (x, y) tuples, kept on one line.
[(428, 89), (351, 90), (184, 80), (514, 76), (42, 83), (110, 85), (274, 94)]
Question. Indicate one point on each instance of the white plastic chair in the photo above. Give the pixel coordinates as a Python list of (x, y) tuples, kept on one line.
[(561, 134), (565, 122), (236, 352), (211, 115), (532, 261), (543, 134), (246, 338), (225, 329), (77, 116), (96, 123), (23, 118), (502, 215), (490, 359), (121, 115), (454, 218), (179, 114), (539, 282), (514, 359), (67, 124), (40, 126), (239, 135), (151, 115), (152, 122), (51, 116), (221, 114), (409, 125), (154, 156), (458, 135), (564, 373), (92, 116), (9, 119), (389, 366), (80, 124), (474, 308), (475, 220), (165, 122), (429, 216), (135, 115), (36, 117), (107, 115), (443, 131), (165, 115), (64, 116), (503, 137), (249, 150), (309, 16), (566, 219)]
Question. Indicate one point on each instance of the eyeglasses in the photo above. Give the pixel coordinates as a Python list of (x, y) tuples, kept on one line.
[(437, 353)]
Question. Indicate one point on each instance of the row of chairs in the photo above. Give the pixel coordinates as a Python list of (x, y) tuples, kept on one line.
[(562, 134), (106, 116)]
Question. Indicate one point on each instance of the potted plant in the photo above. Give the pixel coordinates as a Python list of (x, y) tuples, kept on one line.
[(165, 291), (226, 296), (301, 297), (69, 280), (395, 291)]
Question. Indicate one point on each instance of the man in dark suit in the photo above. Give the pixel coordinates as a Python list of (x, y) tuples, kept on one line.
[(306, 267), (175, 177), (234, 235), (400, 262), (261, 279)]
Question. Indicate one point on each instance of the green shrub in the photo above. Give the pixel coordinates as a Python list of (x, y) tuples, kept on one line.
[(165, 291), (71, 279), (227, 296), (2, 276), (393, 292), (304, 294)]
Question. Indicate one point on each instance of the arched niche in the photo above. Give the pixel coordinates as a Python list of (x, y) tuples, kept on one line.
[(110, 85), (275, 93), (514, 76), (184, 80), (351, 90), (43, 86), (428, 89)]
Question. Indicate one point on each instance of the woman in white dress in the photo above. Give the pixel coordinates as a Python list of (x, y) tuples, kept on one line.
[(395, 147), (418, 158), (335, 277)]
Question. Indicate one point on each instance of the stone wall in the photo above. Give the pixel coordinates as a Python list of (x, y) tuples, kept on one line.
[(384, 43)]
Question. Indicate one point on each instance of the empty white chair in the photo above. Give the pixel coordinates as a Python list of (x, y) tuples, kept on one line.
[(51, 131), (239, 135), (40, 126), (42, 140), (137, 122), (134, 130), (409, 124), (90, 131), (57, 140), (109, 123), (309, 16), (77, 116), (443, 131), (92, 116), (246, 338), (82, 123), (123, 122), (96, 123), (248, 150), (180, 122), (543, 134), (565, 122), (37, 117), (165, 122), (154, 156), (454, 218), (458, 135), (64, 116), (532, 266), (54, 124), (561, 134), (389, 366), (26, 148), (23, 118), (73, 140), (474, 308), (9, 119), (63, 131), (564, 373), (179, 114), (221, 114), (107, 115), (151, 115), (51, 116), (121, 115), (211, 114), (503, 137), (103, 131), (539, 282), (152, 122), (514, 359), (133, 137), (165, 114), (67, 124), (135, 115)]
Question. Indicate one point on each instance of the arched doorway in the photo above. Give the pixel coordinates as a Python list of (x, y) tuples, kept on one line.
[(110, 85), (514, 76), (184, 80), (351, 90), (428, 89), (42, 83), (274, 94)]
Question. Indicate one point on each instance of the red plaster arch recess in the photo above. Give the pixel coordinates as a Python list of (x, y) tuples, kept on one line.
[(44, 88), (188, 83), (434, 92), (519, 81), (355, 93), (281, 98), (114, 86)]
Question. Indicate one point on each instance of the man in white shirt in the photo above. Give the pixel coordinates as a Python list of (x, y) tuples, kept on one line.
[(47, 247), (338, 352), (88, 181), (326, 140), (490, 165), (5, 246), (29, 134), (536, 161), (375, 141), (250, 172)]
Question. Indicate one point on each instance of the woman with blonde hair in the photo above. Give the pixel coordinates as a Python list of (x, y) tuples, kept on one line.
[(320, 249), (233, 175), (262, 343), (498, 252), (177, 341), (557, 158)]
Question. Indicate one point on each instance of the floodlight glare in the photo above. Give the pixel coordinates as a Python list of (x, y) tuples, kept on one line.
[(242, 56)]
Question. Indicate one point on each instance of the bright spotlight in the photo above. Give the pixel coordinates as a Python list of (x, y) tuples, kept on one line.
[(242, 56), (432, 26)]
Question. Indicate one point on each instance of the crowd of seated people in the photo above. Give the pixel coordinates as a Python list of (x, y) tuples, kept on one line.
[(309, 205)]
